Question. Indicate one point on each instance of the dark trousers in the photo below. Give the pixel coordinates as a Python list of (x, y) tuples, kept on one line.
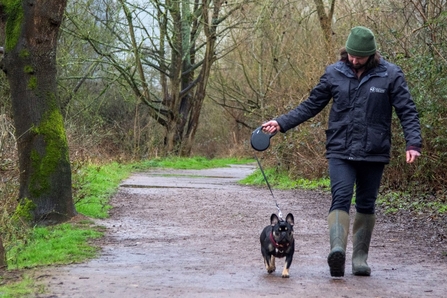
[(365, 176)]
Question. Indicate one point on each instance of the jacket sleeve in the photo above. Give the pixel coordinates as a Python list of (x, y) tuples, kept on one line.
[(319, 97), (406, 111)]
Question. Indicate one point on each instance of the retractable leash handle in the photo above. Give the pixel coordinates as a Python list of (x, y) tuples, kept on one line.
[(260, 141)]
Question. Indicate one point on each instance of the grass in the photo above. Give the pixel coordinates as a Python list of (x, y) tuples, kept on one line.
[(24, 288), (281, 180), (61, 244), (94, 184)]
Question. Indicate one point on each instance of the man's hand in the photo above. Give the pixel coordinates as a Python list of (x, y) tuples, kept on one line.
[(412, 155), (271, 126)]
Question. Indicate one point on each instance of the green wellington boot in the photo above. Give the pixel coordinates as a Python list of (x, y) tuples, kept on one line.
[(361, 238), (338, 222)]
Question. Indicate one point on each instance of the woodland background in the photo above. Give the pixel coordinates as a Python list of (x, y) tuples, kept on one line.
[(267, 55)]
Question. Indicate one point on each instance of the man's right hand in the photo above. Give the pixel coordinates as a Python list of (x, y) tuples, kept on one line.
[(271, 126)]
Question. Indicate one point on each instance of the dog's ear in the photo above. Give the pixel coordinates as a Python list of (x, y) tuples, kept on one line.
[(290, 219), (274, 219)]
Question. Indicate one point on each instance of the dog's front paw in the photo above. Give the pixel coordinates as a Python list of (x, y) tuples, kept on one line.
[(270, 268), (285, 273)]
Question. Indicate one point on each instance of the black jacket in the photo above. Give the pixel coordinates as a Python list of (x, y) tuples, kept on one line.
[(359, 125)]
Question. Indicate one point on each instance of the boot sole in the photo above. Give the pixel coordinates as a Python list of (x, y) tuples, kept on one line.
[(336, 261), (366, 271)]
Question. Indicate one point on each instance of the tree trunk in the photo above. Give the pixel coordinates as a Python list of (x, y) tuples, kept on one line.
[(3, 263), (326, 24), (210, 15), (30, 66)]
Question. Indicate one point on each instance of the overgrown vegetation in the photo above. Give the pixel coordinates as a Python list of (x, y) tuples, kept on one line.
[(392, 202)]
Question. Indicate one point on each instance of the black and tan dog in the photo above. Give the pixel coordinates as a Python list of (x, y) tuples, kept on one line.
[(277, 242)]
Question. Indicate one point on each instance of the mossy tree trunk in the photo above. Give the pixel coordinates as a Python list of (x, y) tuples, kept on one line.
[(31, 29)]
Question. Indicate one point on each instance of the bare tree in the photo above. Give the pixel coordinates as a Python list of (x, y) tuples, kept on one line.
[(274, 66), (325, 19), (30, 30), (163, 53)]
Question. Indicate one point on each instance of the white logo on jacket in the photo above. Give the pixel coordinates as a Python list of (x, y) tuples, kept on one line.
[(376, 90)]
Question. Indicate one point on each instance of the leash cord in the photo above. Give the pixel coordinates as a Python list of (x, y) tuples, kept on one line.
[(268, 184)]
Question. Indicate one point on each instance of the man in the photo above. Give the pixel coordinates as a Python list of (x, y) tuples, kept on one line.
[(364, 89)]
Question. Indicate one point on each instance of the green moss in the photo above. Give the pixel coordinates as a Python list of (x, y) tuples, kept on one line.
[(28, 69), (39, 183), (32, 83), (15, 15), (24, 210), (51, 129), (24, 53)]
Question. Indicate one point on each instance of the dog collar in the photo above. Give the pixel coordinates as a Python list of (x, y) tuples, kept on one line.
[(278, 245)]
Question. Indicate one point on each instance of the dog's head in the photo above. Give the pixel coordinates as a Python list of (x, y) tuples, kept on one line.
[(282, 230)]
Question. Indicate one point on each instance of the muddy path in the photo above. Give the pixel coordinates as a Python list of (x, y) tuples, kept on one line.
[(196, 234)]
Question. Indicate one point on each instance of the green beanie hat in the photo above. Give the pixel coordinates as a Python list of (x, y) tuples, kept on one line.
[(361, 42)]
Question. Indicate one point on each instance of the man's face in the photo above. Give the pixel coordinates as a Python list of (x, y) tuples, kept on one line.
[(358, 62)]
